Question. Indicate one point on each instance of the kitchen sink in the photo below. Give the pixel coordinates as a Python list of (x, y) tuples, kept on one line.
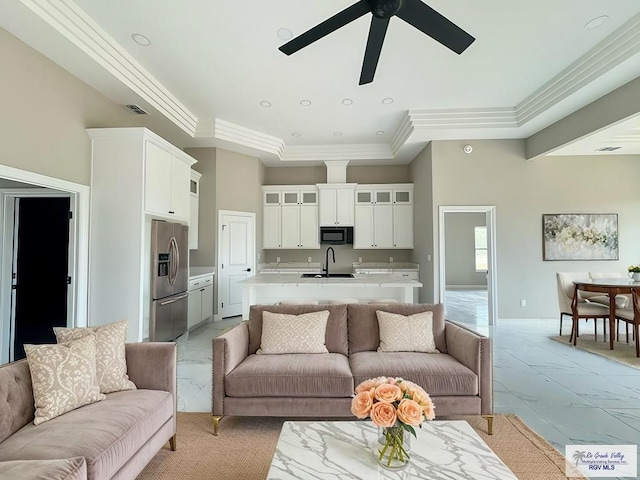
[(331, 275)]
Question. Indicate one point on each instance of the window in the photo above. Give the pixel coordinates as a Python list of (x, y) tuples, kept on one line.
[(480, 234)]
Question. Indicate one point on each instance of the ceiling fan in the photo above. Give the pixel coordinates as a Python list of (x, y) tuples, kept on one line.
[(414, 12)]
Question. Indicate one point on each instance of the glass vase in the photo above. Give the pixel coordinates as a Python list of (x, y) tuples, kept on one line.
[(394, 444)]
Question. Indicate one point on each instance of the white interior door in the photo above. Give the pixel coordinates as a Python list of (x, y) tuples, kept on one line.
[(236, 258)]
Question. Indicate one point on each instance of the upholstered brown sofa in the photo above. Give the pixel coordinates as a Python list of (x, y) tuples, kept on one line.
[(459, 379), (111, 439)]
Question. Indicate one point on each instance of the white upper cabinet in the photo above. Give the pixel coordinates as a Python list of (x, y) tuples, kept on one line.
[(166, 181), (290, 217), (383, 216), (336, 204)]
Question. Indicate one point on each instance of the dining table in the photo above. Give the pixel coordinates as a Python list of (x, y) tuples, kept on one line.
[(611, 287)]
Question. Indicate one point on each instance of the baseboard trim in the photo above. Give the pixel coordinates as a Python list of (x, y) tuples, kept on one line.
[(465, 287)]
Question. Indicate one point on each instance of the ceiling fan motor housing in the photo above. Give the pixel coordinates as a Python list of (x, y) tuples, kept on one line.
[(385, 8)]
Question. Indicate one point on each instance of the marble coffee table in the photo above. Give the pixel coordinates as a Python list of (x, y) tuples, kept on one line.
[(444, 450)]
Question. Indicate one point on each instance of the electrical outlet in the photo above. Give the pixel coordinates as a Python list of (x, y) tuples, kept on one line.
[(278, 259), (309, 259), (359, 259), (390, 259), (523, 303), (428, 257)]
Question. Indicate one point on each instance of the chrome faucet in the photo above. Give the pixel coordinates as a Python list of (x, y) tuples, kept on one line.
[(326, 261)]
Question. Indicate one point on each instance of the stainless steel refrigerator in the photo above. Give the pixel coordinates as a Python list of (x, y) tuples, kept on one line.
[(169, 280)]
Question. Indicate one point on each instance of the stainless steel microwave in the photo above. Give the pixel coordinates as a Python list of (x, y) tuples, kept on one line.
[(336, 235)]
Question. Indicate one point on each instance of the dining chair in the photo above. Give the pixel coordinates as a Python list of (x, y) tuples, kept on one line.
[(567, 292), (632, 317), (622, 301)]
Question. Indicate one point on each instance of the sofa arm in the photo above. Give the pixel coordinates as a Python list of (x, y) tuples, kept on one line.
[(474, 352), (152, 365), (229, 350)]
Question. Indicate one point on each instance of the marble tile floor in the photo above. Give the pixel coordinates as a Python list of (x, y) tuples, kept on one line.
[(566, 395)]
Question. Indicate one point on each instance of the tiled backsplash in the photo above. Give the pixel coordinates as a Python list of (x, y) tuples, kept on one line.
[(345, 256)]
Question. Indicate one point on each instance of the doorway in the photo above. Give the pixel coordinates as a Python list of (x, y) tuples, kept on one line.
[(39, 270), (236, 258), (467, 264)]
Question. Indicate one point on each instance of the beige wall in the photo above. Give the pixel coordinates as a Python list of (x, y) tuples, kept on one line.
[(498, 174), (294, 175), (205, 255), (45, 111), (379, 174), (460, 258), (421, 176)]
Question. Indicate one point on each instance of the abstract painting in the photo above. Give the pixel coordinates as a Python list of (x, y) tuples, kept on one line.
[(580, 236)]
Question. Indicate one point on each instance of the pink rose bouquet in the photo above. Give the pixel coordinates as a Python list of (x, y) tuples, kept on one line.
[(397, 406)]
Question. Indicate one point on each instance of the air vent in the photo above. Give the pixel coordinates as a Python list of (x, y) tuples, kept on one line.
[(136, 109), (607, 149)]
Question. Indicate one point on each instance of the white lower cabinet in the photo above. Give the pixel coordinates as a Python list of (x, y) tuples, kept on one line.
[(200, 300)]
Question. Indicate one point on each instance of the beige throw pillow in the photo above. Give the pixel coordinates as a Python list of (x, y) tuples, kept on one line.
[(111, 363), (412, 333), (282, 333), (63, 377)]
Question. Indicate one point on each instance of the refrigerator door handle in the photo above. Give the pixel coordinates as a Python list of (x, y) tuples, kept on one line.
[(173, 300), (177, 265), (173, 252)]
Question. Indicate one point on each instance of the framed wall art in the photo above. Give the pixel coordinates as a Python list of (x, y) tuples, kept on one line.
[(580, 236)]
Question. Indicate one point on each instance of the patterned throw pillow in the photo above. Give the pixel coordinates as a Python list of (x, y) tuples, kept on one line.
[(412, 333), (111, 363), (282, 333), (63, 377)]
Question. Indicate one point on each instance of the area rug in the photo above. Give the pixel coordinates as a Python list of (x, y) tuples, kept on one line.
[(245, 446), (622, 352)]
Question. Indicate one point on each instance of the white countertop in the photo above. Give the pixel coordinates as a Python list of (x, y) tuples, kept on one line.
[(364, 280), (196, 272)]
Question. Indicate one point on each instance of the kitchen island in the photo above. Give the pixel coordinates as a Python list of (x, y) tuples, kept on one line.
[(271, 289)]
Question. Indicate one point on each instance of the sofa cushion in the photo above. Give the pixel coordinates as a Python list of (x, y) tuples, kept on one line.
[(63, 377), (336, 335), (406, 333), (437, 374), (363, 324), (291, 375), (63, 469), (16, 397), (106, 433), (283, 333), (111, 363)]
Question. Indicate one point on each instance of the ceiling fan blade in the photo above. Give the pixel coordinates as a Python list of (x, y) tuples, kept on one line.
[(427, 20), (323, 29), (377, 31)]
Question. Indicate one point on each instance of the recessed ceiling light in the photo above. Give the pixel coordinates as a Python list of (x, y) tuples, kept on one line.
[(387, 100), (305, 103), (296, 134), (264, 103), (347, 101), (596, 22), (284, 33), (337, 134), (141, 39), (380, 132)]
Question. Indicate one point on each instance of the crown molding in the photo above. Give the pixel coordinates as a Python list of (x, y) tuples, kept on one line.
[(249, 138), (402, 134), (367, 151), (611, 52), (81, 30), (464, 118)]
